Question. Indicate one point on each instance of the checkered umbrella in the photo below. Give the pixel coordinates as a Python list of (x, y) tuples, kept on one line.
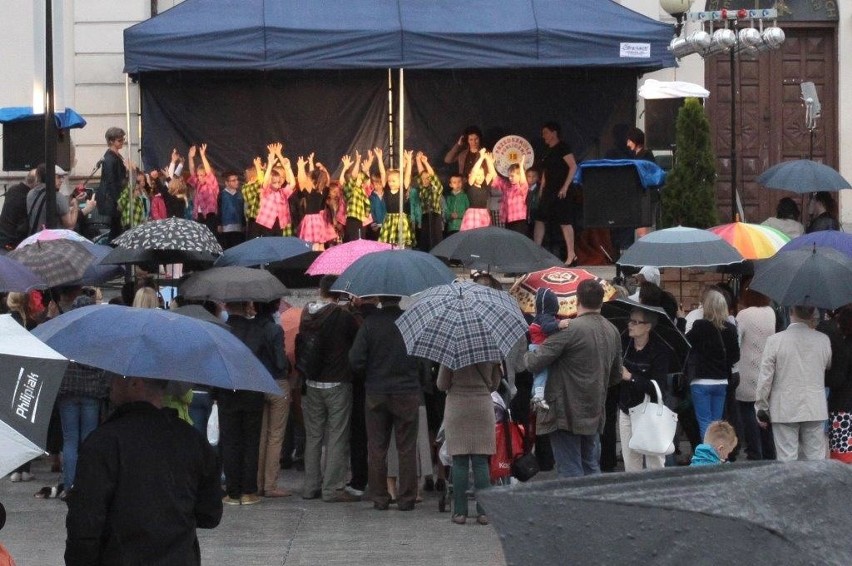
[(57, 262), (461, 324)]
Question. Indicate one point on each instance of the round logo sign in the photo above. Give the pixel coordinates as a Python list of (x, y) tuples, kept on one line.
[(508, 151)]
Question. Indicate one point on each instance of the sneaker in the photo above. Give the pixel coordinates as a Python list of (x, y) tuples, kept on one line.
[(354, 491), (459, 519), (482, 520), (249, 499), (15, 477), (27, 476), (316, 494), (228, 500), (343, 496)]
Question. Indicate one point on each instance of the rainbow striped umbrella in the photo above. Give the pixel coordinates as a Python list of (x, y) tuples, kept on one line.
[(753, 241)]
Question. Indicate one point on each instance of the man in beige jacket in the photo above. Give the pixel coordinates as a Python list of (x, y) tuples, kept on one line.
[(791, 388)]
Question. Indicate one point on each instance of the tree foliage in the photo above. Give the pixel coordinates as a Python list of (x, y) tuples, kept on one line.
[(689, 196)]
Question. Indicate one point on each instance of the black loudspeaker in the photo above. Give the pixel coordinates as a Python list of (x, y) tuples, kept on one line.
[(660, 122), (613, 197), (23, 146)]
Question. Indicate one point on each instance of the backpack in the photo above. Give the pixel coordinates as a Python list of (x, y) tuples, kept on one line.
[(309, 348)]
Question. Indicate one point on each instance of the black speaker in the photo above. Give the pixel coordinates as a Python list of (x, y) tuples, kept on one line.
[(23, 146), (660, 122), (613, 197)]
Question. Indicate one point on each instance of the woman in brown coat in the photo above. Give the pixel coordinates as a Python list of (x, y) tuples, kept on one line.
[(469, 427)]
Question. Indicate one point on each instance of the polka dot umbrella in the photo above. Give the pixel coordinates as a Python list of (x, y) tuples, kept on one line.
[(561, 280), (753, 241)]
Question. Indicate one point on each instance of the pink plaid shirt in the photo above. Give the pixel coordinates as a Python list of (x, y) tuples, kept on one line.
[(274, 206), (206, 198), (514, 204)]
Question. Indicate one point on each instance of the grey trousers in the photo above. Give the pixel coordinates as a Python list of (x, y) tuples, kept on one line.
[(800, 441), (327, 416)]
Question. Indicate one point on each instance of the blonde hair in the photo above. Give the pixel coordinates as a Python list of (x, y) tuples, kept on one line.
[(715, 308), (146, 298), (720, 433), (177, 188), (18, 302)]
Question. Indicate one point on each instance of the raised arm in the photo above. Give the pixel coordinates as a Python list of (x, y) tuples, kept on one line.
[(289, 178), (302, 174), (453, 154), (417, 159), (270, 164), (346, 163), (380, 158), (258, 168), (406, 169), (204, 159), (476, 166), (190, 156), (491, 171), (424, 161)]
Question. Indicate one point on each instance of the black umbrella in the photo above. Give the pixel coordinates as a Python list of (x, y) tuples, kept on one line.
[(803, 176), (173, 240), (816, 277), (396, 273), (199, 312), (759, 513), (233, 284), (495, 249), (618, 313)]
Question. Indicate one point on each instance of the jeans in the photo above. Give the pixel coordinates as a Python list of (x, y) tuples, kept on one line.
[(199, 410), (576, 455), (709, 404), (481, 480), (79, 417), (539, 377)]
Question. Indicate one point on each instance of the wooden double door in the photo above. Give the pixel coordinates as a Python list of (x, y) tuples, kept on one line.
[(770, 115)]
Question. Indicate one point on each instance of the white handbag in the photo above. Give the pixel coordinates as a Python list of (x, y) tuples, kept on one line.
[(653, 426)]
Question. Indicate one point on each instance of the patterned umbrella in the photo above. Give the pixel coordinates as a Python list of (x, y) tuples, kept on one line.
[(57, 262), (461, 324), (15, 276), (395, 273), (562, 281), (260, 251), (52, 234), (335, 260), (173, 240), (753, 241)]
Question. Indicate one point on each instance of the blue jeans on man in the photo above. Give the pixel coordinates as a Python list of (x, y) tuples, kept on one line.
[(79, 417), (576, 455)]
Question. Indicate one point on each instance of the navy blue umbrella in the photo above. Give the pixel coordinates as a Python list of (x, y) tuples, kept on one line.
[(840, 241), (396, 273), (158, 344), (97, 272), (260, 251), (15, 276), (803, 176)]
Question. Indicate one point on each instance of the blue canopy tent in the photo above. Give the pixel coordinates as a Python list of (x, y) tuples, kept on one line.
[(219, 70)]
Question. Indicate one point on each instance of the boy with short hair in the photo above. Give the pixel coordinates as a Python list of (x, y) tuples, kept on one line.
[(457, 204), (719, 440), (231, 229)]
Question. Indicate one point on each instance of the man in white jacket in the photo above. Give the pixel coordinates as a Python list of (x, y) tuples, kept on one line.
[(791, 388)]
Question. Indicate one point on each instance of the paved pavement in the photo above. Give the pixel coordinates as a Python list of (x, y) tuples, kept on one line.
[(284, 531)]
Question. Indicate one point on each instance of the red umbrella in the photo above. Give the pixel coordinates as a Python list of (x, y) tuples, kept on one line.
[(336, 259), (562, 281)]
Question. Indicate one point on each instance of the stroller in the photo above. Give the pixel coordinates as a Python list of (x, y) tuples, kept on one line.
[(501, 413)]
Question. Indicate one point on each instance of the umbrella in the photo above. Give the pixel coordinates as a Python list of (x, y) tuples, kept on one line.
[(336, 259), (260, 251), (200, 313), (158, 344), (233, 284), (57, 262), (803, 176), (173, 240), (53, 234), (680, 247), (97, 272), (30, 376), (461, 324), (561, 280), (816, 277), (618, 313), (766, 513), (396, 273), (495, 249), (840, 241), (15, 276), (753, 241)]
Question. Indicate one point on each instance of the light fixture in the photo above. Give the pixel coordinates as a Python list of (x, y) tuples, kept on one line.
[(696, 42), (772, 37), (723, 40), (675, 7)]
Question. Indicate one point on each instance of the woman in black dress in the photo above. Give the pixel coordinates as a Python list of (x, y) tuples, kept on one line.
[(558, 166)]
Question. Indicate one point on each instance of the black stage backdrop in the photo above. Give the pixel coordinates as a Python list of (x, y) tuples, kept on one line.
[(335, 112)]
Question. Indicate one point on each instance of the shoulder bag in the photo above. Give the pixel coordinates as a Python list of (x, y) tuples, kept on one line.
[(653, 426)]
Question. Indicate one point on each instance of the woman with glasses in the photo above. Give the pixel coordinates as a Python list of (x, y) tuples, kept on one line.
[(646, 359)]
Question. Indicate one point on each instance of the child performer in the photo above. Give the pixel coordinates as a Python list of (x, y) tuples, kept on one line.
[(477, 215), (457, 204), (206, 189), (431, 192), (314, 227), (273, 216), (356, 191), (513, 207), (396, 214)]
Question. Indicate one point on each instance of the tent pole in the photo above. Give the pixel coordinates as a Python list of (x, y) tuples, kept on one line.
[(131, 181), (390, 117), (401, 120)]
